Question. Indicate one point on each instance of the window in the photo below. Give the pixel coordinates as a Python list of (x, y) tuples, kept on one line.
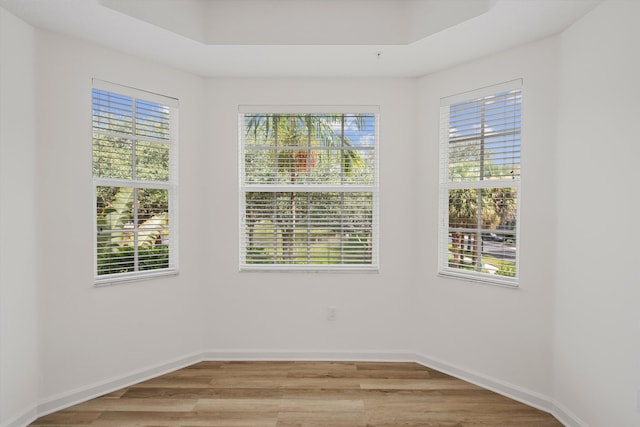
[(135, 183), (308, 190), (480, 184)]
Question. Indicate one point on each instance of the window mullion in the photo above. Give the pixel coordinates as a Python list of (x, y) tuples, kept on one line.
[(136, 255), (342, 152), (309, 216), (477, 242)]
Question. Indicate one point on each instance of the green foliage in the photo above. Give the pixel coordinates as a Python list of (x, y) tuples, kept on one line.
[(117, 233), (121, 259), (115, 214), (507, 270)]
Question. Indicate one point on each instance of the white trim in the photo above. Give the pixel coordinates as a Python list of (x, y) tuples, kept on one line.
[(308, 109), (565, 416), (512, 391), (22, 420), (308, 356), (482, 92), (133, 276), (477, 277), (135, 93), (310, 268)]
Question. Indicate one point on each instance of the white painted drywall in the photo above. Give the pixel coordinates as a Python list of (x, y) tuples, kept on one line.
[(18, 225), (597, 329), (266, 312), (497, 332), (89, 335)]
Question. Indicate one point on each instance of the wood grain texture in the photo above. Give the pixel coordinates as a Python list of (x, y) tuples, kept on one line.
[(301, 394)]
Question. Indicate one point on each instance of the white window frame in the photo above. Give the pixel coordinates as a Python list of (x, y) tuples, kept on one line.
[(447, 184), (171, 185), (346, 188)]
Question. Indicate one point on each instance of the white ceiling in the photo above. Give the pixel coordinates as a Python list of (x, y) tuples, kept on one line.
[(305, 38)]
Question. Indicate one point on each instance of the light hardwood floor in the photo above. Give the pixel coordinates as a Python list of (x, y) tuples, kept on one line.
[(301, 394)]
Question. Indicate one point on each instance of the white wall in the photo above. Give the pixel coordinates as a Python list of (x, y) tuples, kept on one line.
[(499, 333), (597, 330), (89, 335), (18, 225), (275, 312)]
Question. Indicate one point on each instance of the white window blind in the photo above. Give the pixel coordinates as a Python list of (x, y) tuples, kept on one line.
[(480, 184), (308, 190), (135, 183)]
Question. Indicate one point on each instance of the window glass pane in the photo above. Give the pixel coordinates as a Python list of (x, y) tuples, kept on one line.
[(112, 112), (131, 239), (482, 225), (260, 130), (484, 138), (112, 157), (309, 149), (259, 166), (153, 215), (115, 228), (153, 229), (152, 120), (309, 228), (152, 161), (359, 167), (360, 130)]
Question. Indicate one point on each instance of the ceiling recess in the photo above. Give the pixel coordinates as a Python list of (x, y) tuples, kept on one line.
[(302, 22)]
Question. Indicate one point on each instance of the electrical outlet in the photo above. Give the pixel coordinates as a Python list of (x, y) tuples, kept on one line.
[(331, 314)]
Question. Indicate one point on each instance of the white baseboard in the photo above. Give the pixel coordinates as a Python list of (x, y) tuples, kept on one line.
[(523, 395), (320, 356), (22, 420), (82, 394), (528, 397), (565, 416)]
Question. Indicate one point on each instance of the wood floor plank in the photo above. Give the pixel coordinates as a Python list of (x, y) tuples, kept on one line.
[(238, 405), (411, 384), (183, 419), (301, 394), (69, 418), (202, 393), (150, 404)]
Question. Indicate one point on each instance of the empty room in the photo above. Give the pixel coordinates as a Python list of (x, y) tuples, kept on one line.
[(319, 213)]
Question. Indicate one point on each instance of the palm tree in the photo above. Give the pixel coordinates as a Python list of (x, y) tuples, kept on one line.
[(476, 209)]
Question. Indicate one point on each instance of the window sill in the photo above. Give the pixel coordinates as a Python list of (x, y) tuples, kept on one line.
[(117, 279), (504, 282), (308, 269)]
